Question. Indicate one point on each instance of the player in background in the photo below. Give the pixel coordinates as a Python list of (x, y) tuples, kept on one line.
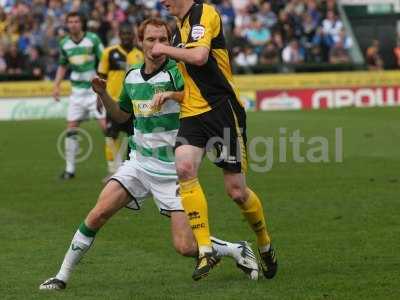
[(114, 63), (151, 168), (80, 51), (211, 108)]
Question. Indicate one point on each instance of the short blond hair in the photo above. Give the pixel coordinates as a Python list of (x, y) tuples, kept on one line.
[(155, 22)]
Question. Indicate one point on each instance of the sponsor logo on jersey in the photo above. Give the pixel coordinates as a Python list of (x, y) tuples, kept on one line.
[(144, 108), (198, 32), (80, 59)]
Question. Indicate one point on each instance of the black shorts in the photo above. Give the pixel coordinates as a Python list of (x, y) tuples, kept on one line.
[(224, 129), (114, 128)]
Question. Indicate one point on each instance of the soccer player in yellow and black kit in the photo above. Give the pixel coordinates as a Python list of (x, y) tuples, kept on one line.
[(114, 63), (211, 108)]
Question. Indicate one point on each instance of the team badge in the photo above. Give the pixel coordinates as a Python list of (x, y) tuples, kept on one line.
[(198, 32)]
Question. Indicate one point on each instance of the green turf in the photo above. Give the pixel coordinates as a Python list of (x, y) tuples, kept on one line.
[(335, 226)]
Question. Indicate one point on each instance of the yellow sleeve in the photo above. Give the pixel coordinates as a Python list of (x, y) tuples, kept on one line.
[(137, 57), (202, 34), (104, 65)]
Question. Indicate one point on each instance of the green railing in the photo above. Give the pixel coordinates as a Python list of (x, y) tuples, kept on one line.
[(19, 77), (299, 68)]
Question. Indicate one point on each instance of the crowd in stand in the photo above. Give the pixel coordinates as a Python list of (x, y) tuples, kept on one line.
[(259, 32), (291, 32)]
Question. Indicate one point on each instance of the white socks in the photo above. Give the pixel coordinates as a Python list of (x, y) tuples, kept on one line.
[(71, 148), (79, 245)]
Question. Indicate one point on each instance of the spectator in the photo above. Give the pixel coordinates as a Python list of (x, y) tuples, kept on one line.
[(257, 35), (15, 61), (344, 39), (38, 10), (37, 34), (34, 64), (373, 58), (239, 5), (313, 12), (3, 21), (332, 26), (309, 28), (295, 9), (278, 5), (7, 5), (253, 6), (50, 42), (12, 33), (246, 58), (227, 15), (266, 16), (98, 25), (277, 39), (326, 6), (315, 55), (237, 45), (24, 41), (338, 54), (270, 54), (113, 37), (56, 11), (115, 13), (51, 48), (324, 42), (242, 21), (21, 16), (293, 53), (285, 26)]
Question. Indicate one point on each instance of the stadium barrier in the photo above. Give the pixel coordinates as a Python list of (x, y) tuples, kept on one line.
[(32, 100), (320, 90)]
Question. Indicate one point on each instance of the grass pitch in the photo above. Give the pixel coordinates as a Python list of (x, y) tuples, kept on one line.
[(335, 226)]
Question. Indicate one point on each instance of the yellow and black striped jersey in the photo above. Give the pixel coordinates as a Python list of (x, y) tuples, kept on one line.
[(114, 63), (207, 85)]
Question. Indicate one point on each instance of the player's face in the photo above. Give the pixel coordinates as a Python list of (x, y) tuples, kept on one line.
[(126, 36), (74, 25), (153, 35)]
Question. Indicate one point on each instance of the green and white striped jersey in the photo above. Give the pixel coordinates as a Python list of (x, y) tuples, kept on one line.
[(81, 57), (155, 129)]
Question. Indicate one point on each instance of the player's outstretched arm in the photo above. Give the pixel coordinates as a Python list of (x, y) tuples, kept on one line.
[(99, 87), (195, 56), (61, 70)]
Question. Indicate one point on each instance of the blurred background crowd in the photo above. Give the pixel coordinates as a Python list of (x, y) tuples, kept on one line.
[(259, 32)]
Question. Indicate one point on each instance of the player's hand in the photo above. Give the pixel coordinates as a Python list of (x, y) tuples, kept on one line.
[(159, 99), (56, 93), (99, 105), (158, 50), (99, 85)]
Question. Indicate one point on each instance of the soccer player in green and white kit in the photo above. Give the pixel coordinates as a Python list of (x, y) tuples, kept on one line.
[(151, 169), (80, 51)]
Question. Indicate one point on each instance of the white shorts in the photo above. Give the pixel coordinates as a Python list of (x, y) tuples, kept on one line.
[(82, 105), (141, 185)]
